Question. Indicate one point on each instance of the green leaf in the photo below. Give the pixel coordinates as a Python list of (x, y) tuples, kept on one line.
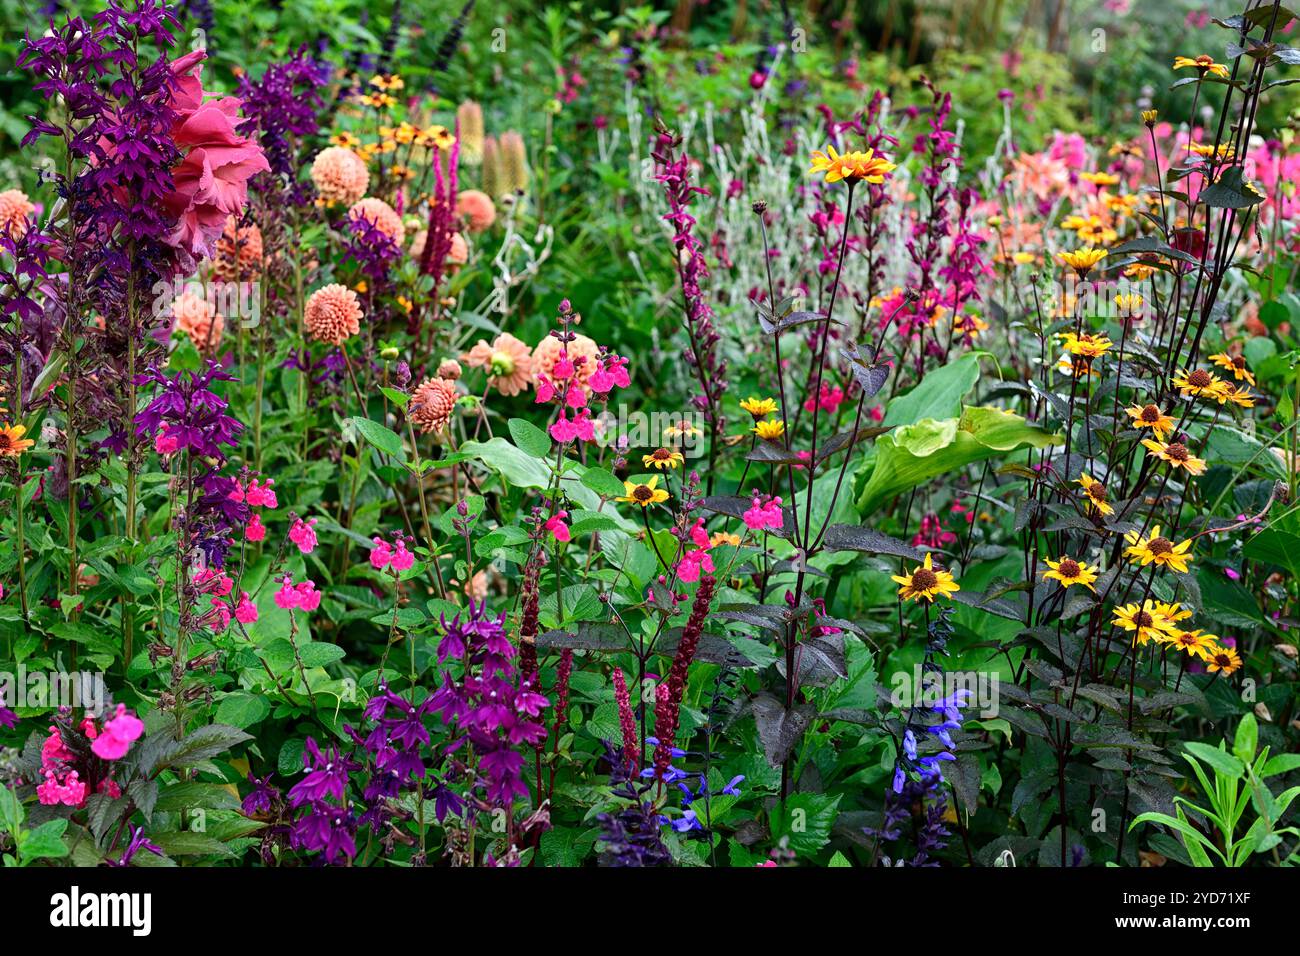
[(380, 436), (529, 438), (913, 454), (602, 482), (1223, 762), (1247, 739), (45, 842), (938, 395), (242, 710), (806, 820)]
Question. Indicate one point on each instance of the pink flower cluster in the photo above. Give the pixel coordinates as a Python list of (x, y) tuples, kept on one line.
[(303, 534), (62, 783), (220, 585), (572, 384), (764, 513), (395, 557), (120, 731), (830, 398), (699, 559), (557, 527), (303, 596), (259, 495)]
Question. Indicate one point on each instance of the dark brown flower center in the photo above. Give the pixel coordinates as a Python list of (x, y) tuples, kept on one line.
[(1143, 619), (661, 454), (1199, 379), (5, 441), (1223, 660), (1097, 491), (1177, 451), (923, 579), (1238, 362), (1069, 567), (643, 493), (1160, 546), (1151, 414)]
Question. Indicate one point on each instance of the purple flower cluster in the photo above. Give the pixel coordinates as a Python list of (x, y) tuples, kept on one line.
[(328, 828), (373, 250), (493, 709), (282, 105), (630, 836)]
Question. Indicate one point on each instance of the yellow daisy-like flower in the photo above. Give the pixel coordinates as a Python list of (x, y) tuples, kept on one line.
[(1173, 613), (1096, 233), (769, 430), (971, 325), (388, 83), (435, 137), (1069, 571), (1100, 178), (1140, 271), (1199, 383), (683, 429), (1222, 152), (12, 442), (1082, 260), (1158, 549), (1195, 643), (1149, 117), (1177, 455), (1129, 304), (346, 140), (1144, 620), (1125, 204), (1203, 64), (378, 100), (662, 458), (1234, 364), (645, 494), (1219, 658), (1096, 494), (1085, 345), (759, 407), (1242, 397), (1150, 416), (1081, 367), (925, 582), (855, 166), (723, 537)]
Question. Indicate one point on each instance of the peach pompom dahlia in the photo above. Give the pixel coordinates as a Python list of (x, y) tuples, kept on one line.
[(509, 363), (333, 314), (340, 175)]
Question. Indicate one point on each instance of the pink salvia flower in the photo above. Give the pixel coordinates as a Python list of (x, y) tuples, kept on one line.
[(402, 559), (256, 531), (381, 554), (303, 534), (765, 513), (119, 733), (246, 610), (556, 526)]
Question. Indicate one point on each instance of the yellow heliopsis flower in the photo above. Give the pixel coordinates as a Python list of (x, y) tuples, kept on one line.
[(1149, 117), (759, 407), (1125, 204), (388, 83), (1202, 384), (1158, 549), (1082, 260), (682, 429), (1129, 304), (1143, 620), (1242, 397), (435, 137), (662, 458), (346, 140), (855, 166), (1173, 612), (1195, 643), (1177, 455), (1096, 233), (723, 537), (12, 442), (645, 494), (1150, 416), (1140, 271), (1096, 494), (1235, 364), (1081, 367), (1203, 64), (1220, 658), (1069, 571), (769, 430), (1085, 345), (1100, 178), (925, 582), (1222, 152)]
